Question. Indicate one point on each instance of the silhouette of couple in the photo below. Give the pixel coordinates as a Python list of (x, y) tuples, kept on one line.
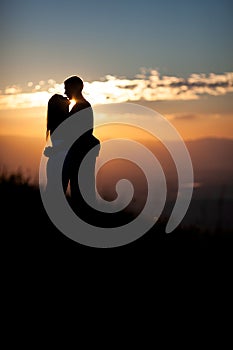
[(58, 111)]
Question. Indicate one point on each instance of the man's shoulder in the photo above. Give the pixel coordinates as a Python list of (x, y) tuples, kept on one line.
[(80, 106), (83, 104)]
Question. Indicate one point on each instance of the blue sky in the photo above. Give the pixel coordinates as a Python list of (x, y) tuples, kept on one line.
[(54, 39)]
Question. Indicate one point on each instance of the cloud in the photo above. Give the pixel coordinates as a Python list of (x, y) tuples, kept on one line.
[(12, 90), (183, 117), (24, 100), (147, 86)]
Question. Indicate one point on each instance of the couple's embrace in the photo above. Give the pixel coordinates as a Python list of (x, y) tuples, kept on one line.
[(57, 113)]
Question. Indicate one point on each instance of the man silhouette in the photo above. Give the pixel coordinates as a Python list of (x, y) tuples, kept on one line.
[(73, 90)]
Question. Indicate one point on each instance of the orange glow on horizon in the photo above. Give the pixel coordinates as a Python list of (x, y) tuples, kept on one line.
[(32, 123)]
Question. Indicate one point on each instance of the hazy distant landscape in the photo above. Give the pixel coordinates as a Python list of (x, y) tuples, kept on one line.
[(212, 201)]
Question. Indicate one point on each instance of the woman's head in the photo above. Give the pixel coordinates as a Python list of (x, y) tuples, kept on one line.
[(58, 111)]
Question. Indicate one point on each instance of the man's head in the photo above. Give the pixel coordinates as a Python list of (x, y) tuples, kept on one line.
[(73, 87)]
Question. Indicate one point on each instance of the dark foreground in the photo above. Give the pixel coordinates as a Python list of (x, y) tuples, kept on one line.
[(31, 240), (174, 278)]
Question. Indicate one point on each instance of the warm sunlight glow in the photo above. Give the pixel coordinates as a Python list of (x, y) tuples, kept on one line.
[(72, 103)]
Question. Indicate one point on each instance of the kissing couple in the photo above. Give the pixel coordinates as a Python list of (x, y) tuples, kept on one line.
[(57, 113)]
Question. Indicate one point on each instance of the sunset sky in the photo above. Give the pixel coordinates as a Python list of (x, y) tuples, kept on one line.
[(175, 57)]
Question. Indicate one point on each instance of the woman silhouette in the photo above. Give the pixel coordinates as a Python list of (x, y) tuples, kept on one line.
[(57, 112)]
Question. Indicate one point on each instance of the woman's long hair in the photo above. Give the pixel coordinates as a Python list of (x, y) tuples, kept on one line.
[(57, 112)]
